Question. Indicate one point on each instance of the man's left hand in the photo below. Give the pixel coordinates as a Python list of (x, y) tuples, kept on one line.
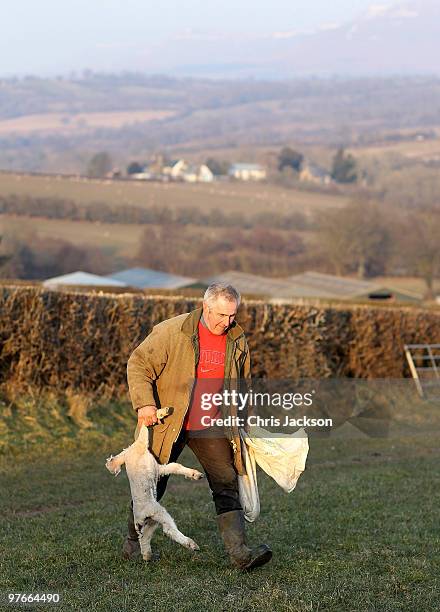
[(147, 415)]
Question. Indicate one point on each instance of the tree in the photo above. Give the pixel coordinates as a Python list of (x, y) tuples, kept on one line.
[(357, 239), (135, 168), (3, 258), (36, 258), (289, 158), (344, 168), (218, 167), (419, 248), (99, 165)]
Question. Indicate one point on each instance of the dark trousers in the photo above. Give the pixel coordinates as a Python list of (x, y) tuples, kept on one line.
[(214, 453)]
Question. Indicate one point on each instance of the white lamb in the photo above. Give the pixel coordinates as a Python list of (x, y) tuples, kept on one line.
[(143, 472)]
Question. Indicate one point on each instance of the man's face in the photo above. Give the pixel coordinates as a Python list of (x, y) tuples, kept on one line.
[(219, 315)]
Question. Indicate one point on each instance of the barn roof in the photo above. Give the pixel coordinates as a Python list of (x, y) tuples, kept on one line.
[(144, 278), (83, 278), (249, 283), (245, 166), (308, 285), (334, 287)]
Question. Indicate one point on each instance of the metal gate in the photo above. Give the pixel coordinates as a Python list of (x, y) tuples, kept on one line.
[(424, 363)]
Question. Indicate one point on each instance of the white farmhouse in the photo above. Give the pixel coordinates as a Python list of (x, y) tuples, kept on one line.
[(198, 174), (247, 172), (175, 169), (311, 173)]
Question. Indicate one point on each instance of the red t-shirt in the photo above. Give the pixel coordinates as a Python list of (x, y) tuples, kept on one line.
[(209, 377)]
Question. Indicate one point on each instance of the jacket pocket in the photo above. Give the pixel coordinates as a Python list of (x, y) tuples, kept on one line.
[(161, 427)]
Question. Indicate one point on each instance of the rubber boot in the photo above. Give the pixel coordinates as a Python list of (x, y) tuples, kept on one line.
[(232, 530), (131, 549)]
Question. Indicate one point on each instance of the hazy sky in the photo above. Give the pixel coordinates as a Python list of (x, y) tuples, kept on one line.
[(48, 37)]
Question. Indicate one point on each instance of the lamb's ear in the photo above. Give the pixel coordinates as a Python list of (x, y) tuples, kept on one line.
[(113, 464)]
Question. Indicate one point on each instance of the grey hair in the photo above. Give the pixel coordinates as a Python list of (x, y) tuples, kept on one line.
[(216, 290)]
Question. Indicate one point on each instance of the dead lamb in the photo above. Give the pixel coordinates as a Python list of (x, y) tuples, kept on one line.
[(143, 472)]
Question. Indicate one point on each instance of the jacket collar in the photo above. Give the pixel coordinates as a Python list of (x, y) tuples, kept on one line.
[(191, 323)]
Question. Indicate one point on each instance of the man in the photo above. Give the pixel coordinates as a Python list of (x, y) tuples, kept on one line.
[(180, 359)]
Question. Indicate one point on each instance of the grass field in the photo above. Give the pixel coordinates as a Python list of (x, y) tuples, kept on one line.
[(123, 240), (360, 532), (227, 197), (63, 123), (116, 238), (411, 148)]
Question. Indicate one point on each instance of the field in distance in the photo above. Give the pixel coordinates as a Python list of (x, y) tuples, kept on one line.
[(114, 238), (246, 198), (417, 149), (65, 122)]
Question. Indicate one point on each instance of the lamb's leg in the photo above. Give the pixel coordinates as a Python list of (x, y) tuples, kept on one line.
[(170, 529), (177, 468), (145, 533)]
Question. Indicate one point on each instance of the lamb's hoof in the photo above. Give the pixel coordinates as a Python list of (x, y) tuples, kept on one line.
[(151, 557), (191, 545), (197, 475)]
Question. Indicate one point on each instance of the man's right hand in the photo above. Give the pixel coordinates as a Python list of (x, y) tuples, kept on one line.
[(147, 415)]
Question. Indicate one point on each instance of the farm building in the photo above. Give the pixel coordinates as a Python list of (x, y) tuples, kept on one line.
[(145, 278), (329, 286), (82, 278), (142, 176), (251, 284), (312, 285), (198, 174), (311, 173), (247, 172), (175, 168)]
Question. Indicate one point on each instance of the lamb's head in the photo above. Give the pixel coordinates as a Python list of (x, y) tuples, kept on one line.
[(113, 464), (138, 448)]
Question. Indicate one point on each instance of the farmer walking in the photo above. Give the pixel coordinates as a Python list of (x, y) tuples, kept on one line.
[(201, 351)]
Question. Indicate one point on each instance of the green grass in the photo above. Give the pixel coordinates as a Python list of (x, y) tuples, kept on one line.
[(123, 239), (115, 238), (227, 197), (360, 532)]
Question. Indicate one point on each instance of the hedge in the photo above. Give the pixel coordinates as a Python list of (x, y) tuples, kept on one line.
[(81, 341)]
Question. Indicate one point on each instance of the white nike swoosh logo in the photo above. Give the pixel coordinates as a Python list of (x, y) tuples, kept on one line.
[(204, 370)]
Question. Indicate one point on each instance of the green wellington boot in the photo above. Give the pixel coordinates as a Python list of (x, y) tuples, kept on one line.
[(131, 548), (232, 529)]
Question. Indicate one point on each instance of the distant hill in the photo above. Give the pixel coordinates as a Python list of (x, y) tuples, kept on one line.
[(401, 38), (398, 39), (57, 124)]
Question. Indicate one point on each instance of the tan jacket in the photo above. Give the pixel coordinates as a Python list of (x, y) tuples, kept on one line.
[(161, 372)]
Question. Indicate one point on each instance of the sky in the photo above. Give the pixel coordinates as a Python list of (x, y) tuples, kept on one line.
[(56, 37)]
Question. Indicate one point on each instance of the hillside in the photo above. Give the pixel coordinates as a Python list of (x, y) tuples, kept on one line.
[(388, 38), (254, 227), (57, 124)]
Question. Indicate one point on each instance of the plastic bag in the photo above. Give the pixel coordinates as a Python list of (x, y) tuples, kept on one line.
[(247, 485), (282, 457)]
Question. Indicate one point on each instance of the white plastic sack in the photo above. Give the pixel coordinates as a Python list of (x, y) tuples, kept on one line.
[(248, 487), (283, 458)]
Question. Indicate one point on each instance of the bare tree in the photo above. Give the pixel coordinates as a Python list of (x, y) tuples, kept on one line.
[(356, 238), (3, 258), (419, 247), (100, 165)]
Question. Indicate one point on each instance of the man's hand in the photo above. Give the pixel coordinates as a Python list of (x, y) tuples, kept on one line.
[(147, 415)]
